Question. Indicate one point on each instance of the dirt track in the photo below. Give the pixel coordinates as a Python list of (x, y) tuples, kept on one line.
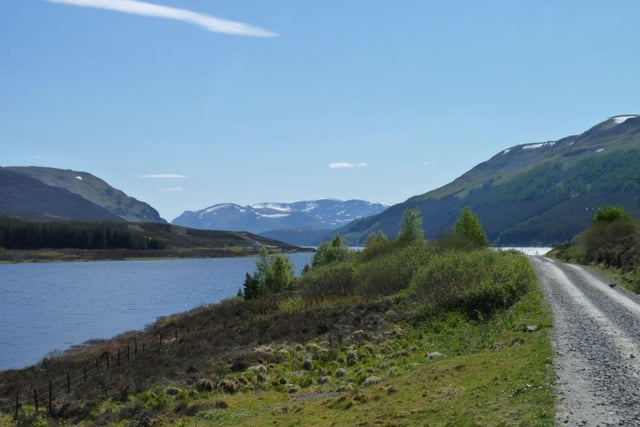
[(596, 346)]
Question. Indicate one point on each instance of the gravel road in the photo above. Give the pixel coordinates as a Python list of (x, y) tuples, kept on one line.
[(596, 346)]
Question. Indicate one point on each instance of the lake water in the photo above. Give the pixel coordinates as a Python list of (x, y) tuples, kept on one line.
[(53, 306)]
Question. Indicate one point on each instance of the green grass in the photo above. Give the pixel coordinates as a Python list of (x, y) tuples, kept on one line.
[(285, 359)]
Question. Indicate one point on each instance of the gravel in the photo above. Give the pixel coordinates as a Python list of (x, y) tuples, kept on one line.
[(596, 346)]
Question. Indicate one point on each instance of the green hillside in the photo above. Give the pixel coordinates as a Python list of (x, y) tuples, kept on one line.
[(94, 190), (542, 193)]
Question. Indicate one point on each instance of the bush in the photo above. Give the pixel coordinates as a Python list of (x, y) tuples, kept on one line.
[(392, 272), (477, 283), (604, 234), (327, 281)]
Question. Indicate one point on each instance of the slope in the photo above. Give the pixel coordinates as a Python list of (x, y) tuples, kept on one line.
[(94, 190), (540, 193), (26, 197)]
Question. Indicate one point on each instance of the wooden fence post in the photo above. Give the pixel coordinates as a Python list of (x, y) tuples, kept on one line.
[(176, 335), (68, 383), (128, 352), (35, 398), (85, 374), (98, 365), (15, 416), (108, 367), (50, 398)]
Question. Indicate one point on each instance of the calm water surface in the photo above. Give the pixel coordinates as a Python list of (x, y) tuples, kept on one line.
[(45, 307)]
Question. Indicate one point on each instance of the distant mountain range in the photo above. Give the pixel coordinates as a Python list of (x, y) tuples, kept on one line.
[(538, 193), (39, 192), (301, 223)]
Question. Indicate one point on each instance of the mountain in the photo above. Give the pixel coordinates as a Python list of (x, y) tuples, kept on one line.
[(300, 223), (537, 193), (39, 192)]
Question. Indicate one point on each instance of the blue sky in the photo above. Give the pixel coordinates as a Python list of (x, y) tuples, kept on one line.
[(184, 104)]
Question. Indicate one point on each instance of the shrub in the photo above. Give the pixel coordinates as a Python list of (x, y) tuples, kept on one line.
[(604, 234), (332, 280), (610, 214), (477, 283), (392, 272)]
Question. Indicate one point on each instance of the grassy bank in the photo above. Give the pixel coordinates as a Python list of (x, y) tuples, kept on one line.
[(297, 359)]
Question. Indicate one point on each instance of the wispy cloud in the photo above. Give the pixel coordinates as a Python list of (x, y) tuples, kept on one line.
[(346, 165), (163, 176), (210, 23), (170, 189)]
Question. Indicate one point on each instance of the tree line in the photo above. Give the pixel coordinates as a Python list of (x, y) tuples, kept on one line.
[(24, 234)]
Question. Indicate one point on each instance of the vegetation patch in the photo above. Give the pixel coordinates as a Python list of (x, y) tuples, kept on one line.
[(456, 337)]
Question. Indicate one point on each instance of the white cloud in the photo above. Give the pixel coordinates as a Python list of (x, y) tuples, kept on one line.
[(163, 176), (346, 165), (210, 23), (427, 163), (170, 189)]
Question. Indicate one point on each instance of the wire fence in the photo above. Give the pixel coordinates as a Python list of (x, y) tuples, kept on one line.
[(122, 360)]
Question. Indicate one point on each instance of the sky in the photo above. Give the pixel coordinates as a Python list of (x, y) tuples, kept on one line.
[(186, 104)]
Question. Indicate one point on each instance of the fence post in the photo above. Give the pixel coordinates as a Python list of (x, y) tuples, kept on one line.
[(15, 416), (50, 398), (108, 366), (98, 366), (85, 374), (176, 335), (35, 398), (128, 351), (68, 383), (118, 362), (135, 347)]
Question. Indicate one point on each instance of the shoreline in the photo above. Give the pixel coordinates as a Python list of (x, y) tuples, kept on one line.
[(88, 255)]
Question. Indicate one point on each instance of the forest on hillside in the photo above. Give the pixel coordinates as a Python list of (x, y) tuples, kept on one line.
[(22, 234)]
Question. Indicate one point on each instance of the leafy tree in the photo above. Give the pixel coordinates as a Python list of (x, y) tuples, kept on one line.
[(274, 273), (377, 245), (328, 253), (410, 227), (468, 226), (610, 214), (280, 276)]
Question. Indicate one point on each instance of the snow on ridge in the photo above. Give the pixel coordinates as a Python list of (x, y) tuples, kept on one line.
[(506, 151), (79, 178), (282, 215), (599, 150), (621, 119), (534, 146), (272, 206), (214, 208), (310, 206)]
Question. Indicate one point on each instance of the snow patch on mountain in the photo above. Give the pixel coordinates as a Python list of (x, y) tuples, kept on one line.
[(621, 119), (316, 214)]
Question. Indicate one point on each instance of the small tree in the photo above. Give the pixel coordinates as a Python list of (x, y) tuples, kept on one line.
[(410, 227), (610, 214), (251, 288), (274, 273), (468, 226), (328, 253), (280, 275)]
